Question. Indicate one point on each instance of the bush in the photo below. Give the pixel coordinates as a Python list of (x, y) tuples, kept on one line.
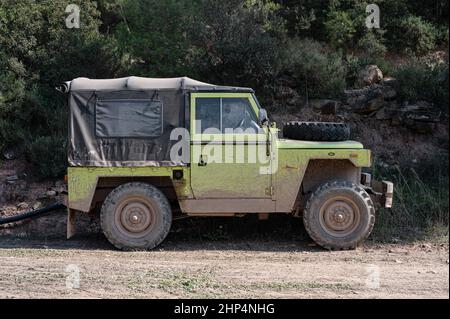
[(420, 204), (238, 42), (318, 73), (340, 28), (442, 36), (48, 155), (413, 35), (12, 92), (354, 64), (372, 44), (154, 35), (417, 81), (38, 51), (10, 134)]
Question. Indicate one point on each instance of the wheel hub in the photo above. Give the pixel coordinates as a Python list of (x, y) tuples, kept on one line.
[(135, 216), (339, 217)]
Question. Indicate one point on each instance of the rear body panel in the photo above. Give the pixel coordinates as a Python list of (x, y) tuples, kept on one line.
[(82, 181)]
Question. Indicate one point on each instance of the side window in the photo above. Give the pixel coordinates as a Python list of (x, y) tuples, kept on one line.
[(128, 118), (237, 113), (207, 114), (224, 114)]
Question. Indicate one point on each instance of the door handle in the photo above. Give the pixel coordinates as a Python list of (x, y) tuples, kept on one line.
[(202, 161)]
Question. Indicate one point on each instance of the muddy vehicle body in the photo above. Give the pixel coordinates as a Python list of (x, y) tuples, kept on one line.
[(142, 150)]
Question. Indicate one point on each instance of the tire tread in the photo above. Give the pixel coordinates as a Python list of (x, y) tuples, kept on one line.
[(317, 131), (150, 191), (308, 215)]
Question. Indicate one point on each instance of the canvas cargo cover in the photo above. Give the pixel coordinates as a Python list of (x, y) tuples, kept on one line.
[(128, 121)]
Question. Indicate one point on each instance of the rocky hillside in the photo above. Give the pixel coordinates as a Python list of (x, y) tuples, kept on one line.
[(398, 132)]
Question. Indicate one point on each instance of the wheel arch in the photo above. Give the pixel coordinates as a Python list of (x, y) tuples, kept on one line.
[(321, 171), (106, 184), (99, 187)]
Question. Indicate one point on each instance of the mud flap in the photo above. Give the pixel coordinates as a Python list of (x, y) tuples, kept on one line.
[(71, 222)]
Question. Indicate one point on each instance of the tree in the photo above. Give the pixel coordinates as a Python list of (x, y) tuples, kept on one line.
[(415, 35), (37, 52), (153, 34), (239, 46)]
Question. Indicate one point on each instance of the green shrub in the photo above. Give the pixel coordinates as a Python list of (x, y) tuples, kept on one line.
[(386, 66), (372, 44), (442, 36), (354, 64), (414, 35), (238, 42), (12, 92), (37, 52), (154, 35), (48, 155), (318, 73), (10, 134), (417, 81), (340, 28)]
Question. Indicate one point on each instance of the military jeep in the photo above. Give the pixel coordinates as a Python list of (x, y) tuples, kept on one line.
[(143, 150)]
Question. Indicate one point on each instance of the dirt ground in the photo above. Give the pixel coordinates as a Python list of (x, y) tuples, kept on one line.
[(220, 269)]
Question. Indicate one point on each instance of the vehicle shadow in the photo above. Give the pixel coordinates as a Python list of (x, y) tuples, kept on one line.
[(279, 233), (98, 242)]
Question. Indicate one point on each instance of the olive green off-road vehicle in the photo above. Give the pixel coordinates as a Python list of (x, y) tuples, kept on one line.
[(144, 150)]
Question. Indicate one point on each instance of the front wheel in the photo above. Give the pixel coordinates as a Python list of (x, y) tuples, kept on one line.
[(339, 215), (136, 216)]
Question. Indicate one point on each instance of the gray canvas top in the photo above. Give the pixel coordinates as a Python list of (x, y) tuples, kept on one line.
[(129, 121), (140, 83)]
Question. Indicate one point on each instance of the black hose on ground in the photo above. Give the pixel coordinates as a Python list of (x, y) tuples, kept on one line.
[(32, 214)]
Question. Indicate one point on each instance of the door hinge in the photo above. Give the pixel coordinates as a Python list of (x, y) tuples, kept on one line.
[(269, 191), (203, 160)]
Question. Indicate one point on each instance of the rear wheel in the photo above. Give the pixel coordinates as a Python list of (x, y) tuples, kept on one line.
[(136, 216), (339, 215)]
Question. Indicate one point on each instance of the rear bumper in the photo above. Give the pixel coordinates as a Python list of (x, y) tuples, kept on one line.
[(382, 192)]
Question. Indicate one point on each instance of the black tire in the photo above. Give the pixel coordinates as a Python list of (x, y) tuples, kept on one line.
[(317, 131), (136, 216), (339, 215)]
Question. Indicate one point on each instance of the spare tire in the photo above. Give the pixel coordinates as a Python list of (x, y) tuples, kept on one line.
[(317, 131)]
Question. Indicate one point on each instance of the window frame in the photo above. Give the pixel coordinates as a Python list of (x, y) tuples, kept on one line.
[(161, 116), (233, 137)]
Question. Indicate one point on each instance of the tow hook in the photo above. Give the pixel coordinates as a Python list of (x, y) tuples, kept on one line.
[(383, 191)]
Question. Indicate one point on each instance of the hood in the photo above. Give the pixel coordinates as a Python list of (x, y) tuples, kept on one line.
[(293, 144)]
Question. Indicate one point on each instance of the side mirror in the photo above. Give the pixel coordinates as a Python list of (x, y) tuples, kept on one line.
[(263, 118)]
